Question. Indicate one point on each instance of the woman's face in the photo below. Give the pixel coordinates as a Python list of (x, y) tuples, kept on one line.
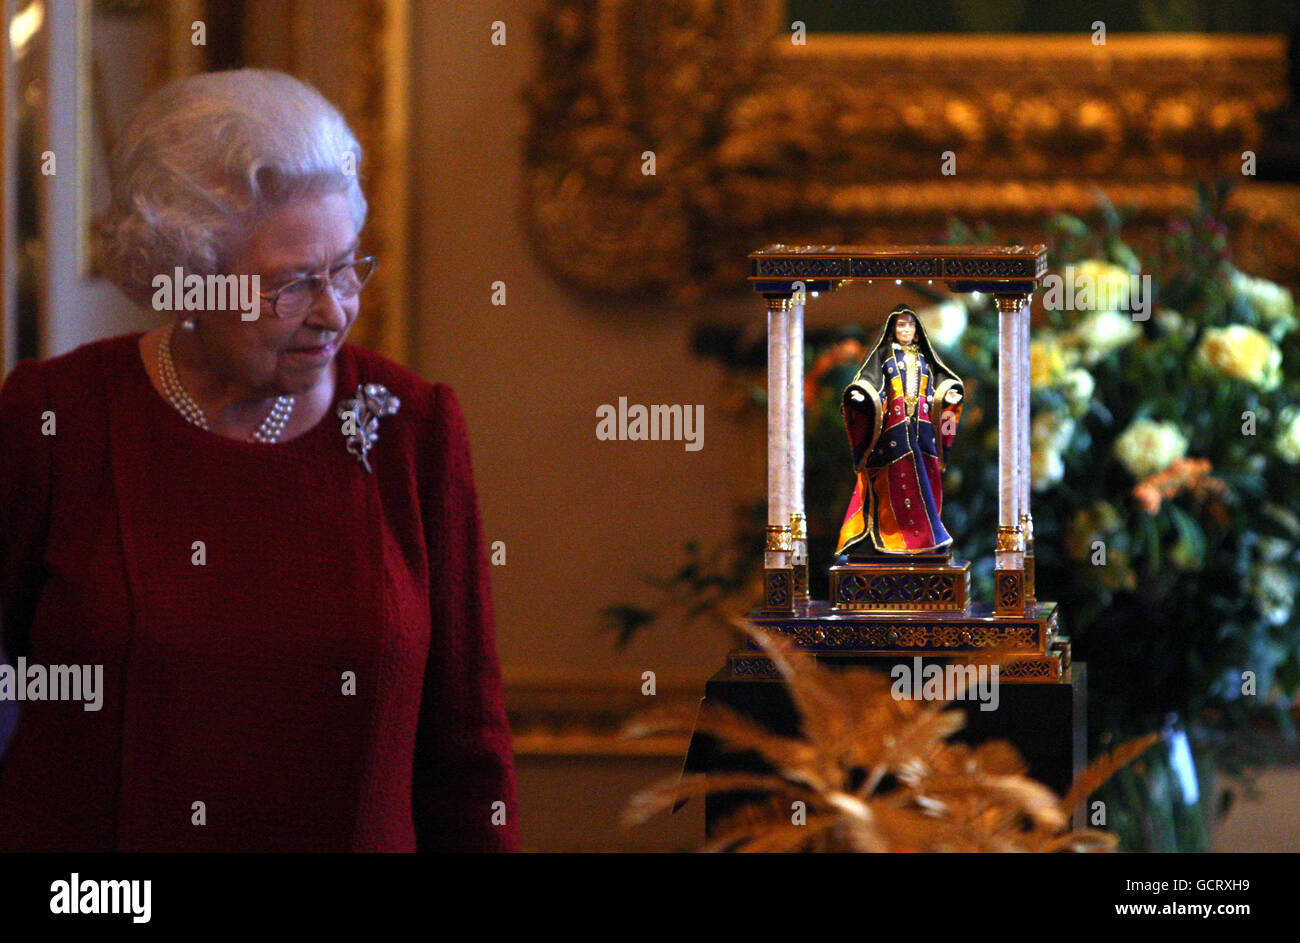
[(273, 356), (904, 329)]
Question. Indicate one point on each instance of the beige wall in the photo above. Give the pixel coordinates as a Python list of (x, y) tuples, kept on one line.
[(580, 518)]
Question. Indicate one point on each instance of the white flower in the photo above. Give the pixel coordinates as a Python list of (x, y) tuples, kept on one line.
[(1271, 302), (1274, 591), (1078, 386), (1147, 447), (1287, 444), (1049, 433), (944, 323), (1273, 549), (1100, 332), (1171, 322)]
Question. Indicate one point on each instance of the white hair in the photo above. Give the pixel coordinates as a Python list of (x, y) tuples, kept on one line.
[(203, 156)]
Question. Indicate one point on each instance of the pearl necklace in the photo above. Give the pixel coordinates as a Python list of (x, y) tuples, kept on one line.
[(269, 431)]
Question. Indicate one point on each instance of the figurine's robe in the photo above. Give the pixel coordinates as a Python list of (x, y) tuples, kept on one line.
[(899, 458)]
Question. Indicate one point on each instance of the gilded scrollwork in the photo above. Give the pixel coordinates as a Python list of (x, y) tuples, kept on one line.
[(902, 637), (840, 140)]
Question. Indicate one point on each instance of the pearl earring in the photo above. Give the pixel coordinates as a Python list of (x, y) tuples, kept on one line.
[(188, 324)]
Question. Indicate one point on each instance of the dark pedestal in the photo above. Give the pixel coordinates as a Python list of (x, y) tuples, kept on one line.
[(1046, 722)]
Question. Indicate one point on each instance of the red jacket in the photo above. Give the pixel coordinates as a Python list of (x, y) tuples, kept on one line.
[(296, 655)]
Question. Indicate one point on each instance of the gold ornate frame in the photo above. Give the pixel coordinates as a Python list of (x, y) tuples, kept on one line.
[(310, 40), (356, 52), (757, 139), (176, 56)]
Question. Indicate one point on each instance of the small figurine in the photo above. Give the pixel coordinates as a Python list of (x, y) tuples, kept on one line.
[(901, 413)]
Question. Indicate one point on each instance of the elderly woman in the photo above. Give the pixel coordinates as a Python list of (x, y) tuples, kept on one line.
[(267, 538)]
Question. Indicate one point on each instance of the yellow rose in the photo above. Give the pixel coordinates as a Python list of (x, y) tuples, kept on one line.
[(1047, 364), (1109, 283), (1242, 353), (1046, 468)]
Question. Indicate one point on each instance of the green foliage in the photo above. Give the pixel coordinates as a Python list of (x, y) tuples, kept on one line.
[(700, 587), (1199, 558), (1177, 615)]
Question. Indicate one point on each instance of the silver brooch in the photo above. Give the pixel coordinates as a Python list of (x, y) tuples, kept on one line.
[(361, 416)]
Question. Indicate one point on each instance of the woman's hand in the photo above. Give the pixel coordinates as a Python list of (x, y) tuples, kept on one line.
[(953, 397)]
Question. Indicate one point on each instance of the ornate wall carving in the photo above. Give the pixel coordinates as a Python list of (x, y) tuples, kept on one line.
[(758, 140)]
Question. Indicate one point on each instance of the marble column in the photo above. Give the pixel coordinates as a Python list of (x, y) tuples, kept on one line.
[(1009, 578), (778, 548), (1026, 454), (795, 448)]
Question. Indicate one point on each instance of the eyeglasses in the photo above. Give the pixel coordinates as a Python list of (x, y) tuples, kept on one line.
[(299, 295)]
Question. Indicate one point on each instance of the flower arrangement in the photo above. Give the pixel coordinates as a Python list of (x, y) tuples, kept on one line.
[(1166, 464), (1164, 489)]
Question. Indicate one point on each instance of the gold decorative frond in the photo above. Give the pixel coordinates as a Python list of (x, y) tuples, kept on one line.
[(665, 794), (1104, 767), (674, 719), (872, 772), (1081, 840), (775, 834)]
